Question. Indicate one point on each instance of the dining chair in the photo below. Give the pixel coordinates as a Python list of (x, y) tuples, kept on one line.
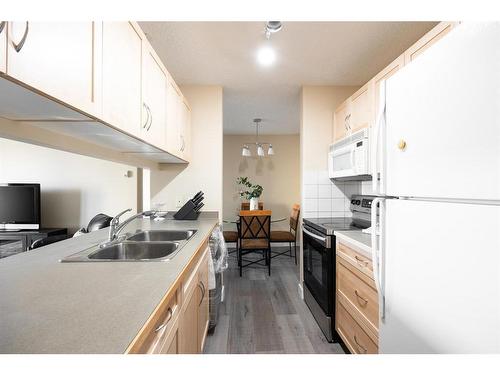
[(254, 234), (289, 236), (231, 236), (245, 206)]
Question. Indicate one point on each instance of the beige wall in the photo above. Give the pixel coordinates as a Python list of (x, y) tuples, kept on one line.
[(278, 174), (174, 183), (74, 187)]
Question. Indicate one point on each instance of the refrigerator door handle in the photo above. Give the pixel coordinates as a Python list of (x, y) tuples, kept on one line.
[(375, 242), (375, 138)]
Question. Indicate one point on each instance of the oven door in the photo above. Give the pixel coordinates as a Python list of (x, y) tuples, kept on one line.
[(318, 267)]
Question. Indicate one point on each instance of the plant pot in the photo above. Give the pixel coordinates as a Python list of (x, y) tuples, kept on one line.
[(254, 204)]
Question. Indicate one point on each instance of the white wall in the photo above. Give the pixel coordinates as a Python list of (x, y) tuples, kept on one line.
[(74, 188), (277, 174), (175, 183)]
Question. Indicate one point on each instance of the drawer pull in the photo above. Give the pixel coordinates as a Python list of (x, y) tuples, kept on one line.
[(359, 345), (160, 327), (361, 298), (362, 262)]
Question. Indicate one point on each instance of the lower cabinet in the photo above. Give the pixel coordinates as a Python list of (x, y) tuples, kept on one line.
[(356, 305), (179, 324)]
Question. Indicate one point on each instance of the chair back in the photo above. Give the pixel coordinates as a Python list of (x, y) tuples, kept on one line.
[(255, 225), (245, 206), (294, 218)]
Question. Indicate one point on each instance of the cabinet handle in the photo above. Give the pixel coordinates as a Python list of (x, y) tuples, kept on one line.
[(183, 143), (19, 46), (361, 298), (203, 291), (150, 118), (147, 114), (359, 345), (161, 326), (349, 121), (363, 262), (2, 26)]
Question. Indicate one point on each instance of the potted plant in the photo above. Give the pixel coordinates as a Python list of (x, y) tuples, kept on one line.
[(250, 192)]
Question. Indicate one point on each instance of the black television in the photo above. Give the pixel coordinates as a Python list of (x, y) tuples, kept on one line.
[(19, 206)]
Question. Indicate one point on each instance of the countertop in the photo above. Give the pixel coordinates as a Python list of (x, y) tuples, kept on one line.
[(360, 240), (94, 307)]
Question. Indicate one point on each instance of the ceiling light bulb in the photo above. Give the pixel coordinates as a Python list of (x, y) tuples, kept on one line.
[(270, 151), (260, 151), (266, 56)]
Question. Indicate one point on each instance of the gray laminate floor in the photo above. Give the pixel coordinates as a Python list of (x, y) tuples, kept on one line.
[(263, 314)]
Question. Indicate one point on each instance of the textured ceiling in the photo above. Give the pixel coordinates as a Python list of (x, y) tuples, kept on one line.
[(308, 53)]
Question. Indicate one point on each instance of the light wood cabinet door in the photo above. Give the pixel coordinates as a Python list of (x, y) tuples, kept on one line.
[(341, 119), (203, 313), (3, 46), (171, 341), (185, 129), (61, 59), (154, 98), (428, 40), (362, 108), (353, 335), (188, 324), (121, 76), (173, 144), (388, 71)]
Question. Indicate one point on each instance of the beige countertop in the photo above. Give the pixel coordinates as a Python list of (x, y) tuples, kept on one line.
[(93, 307), (358, 239)]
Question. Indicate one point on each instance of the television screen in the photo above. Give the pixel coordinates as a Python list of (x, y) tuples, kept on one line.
[(19, 204)]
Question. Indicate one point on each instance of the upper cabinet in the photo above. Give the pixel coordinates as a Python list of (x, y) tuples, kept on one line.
[(178, 132), (154, 100), (59, 59), (185, 129), (3, 46), (428, 40), (121, 76), (360, 110)]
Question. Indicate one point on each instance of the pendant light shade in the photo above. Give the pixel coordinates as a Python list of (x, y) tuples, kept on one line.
[(270, 151), (245, 151), (260, 150)]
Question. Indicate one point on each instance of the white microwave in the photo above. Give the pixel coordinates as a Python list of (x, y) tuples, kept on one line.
[(348, 158)]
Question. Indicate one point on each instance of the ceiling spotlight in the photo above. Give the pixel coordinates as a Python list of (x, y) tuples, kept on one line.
[(245, 151), (272, 27), (266, 56)]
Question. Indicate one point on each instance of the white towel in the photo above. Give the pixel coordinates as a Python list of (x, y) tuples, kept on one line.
[(211, 272)]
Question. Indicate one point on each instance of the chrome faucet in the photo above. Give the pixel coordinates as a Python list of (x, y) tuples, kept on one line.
[(115, 227)]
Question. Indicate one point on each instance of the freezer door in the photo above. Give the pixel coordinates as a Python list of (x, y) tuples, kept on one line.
[(442, 137), (441, 278)]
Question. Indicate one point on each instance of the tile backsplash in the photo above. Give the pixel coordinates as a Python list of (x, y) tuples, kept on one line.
[(323, 198)]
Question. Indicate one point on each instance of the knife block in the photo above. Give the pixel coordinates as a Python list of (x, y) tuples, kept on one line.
[(187, 212)]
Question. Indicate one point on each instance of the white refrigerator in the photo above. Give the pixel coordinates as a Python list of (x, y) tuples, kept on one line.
[(436, 151)]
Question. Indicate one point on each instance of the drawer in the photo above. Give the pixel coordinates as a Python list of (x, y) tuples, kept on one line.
[(359, 295), (363, 263), (355, 338), (160, 327)]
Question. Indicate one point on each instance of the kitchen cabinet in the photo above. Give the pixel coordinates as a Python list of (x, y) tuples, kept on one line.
[(362, 108), (178, 132), (60, 59), (121, 76), (194, 316), (341, 118), (154, 92), (428, 40), (356, 305), (3, 46)]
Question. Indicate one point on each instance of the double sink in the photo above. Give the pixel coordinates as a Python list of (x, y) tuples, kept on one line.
[(147, 245)]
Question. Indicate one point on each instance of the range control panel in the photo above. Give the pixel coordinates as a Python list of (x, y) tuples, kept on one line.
[(362, 203)]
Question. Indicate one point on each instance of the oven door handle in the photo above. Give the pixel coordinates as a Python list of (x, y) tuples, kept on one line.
[(319, 238)]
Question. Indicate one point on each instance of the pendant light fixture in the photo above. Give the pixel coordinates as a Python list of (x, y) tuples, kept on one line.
[(245, 151)]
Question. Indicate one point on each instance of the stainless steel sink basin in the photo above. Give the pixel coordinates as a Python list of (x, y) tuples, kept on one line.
[(162, 235), (135, 251)]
